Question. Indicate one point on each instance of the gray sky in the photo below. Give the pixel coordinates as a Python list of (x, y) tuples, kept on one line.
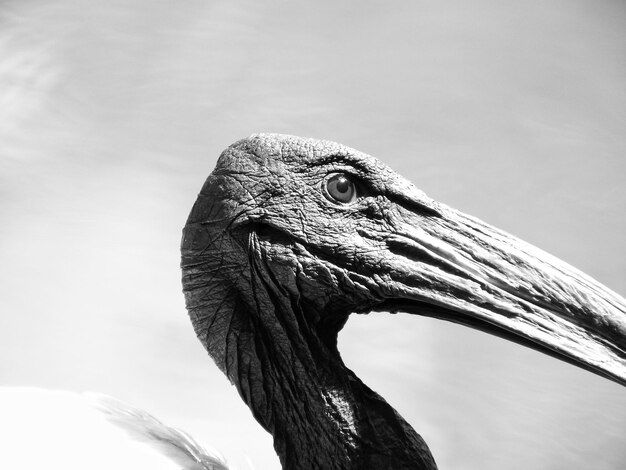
[(113, 113)]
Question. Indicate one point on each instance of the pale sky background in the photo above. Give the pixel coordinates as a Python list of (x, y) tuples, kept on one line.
[(113, 113)]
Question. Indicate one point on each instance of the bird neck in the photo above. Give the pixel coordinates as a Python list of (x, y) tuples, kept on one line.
[(298, 388), (280, 351)]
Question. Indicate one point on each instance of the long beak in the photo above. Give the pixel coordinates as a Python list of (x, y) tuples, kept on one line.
[(458, 268)]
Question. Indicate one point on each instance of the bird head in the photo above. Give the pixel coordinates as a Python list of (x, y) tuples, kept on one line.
[(336, 231)]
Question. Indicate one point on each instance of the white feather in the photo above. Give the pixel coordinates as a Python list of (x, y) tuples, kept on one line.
[(63, 430)]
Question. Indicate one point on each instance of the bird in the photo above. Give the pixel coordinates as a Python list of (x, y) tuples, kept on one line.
[(288, 238)]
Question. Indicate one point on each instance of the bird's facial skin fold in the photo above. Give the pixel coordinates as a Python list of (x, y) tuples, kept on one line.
[(358, 237)]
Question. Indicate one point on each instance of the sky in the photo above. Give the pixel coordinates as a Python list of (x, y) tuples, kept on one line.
[(113, 113)]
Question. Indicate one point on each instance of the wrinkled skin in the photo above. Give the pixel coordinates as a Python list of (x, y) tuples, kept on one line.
[(273, 265)]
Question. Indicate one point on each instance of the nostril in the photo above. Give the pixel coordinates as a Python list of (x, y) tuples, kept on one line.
[(408, 249)]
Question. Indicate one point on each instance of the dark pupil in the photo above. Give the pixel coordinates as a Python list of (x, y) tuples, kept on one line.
[(343, 185)]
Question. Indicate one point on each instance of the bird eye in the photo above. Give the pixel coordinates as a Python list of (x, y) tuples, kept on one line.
[(341, 189)]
